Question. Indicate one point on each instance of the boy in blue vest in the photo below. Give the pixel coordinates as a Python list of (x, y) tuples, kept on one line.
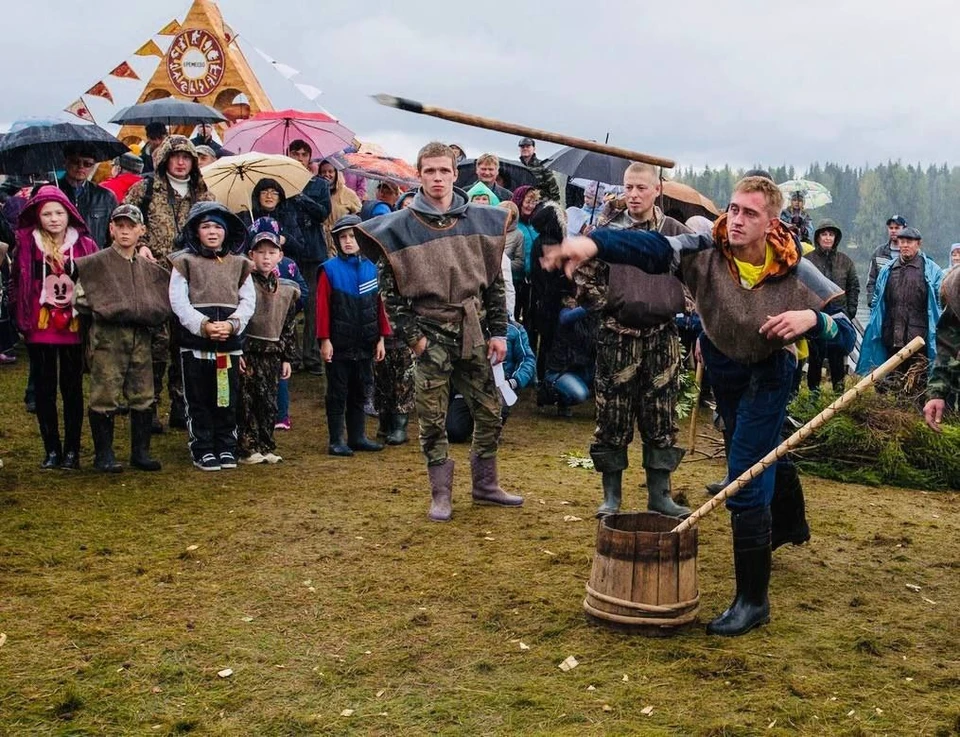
[(351, 325)]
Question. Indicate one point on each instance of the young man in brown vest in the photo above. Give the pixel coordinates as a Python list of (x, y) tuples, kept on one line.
[(747, 346), (442, 284), (638, 352), (127, 296)]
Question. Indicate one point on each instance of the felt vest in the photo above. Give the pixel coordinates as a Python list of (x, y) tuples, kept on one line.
[(732, 314), (124, 291), (214, 288), (273, 305)]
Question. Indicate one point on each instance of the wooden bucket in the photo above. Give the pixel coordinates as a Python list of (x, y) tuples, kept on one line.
[(644, 576)]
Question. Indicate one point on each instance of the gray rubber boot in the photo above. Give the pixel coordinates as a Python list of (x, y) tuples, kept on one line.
[(611, 462), (398, 432), (659, 463), (486, 486), (441, 491)]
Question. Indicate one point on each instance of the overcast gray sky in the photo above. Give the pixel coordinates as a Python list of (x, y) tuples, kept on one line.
[(699, 81)]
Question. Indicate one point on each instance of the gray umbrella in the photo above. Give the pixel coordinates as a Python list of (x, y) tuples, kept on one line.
[(169, 111), (575, 162), (39, 148)]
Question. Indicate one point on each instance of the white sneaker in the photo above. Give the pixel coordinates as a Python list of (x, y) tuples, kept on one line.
[(253, 459), (272, 458)]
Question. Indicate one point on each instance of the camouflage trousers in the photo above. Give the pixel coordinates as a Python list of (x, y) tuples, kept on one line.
[(637, 381), (121, 367), (393, 386), (439, 366), (258, 403)]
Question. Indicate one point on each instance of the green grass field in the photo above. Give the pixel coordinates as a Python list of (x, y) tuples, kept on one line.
[(341, 609)]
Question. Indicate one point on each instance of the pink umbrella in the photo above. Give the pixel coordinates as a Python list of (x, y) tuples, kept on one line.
[(271, 133)]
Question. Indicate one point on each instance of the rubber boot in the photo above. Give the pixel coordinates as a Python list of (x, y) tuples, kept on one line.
[(140, 432), (717, 486), (384, 427), (486, 487), (611, 462), (398, 431), (441, 491), (659, 463), (338, 444), (101, 428), (788, 509), (751, 559), (357, 432)]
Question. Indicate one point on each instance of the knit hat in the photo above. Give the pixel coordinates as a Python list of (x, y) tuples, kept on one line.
[(264, 229), (129, 162), (212, 217)]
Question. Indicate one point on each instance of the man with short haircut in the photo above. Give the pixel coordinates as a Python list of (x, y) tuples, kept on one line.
[(94, 203), (312, 208), (884, 253), (488, 168), (756, 297), (906, 306), (637, 375), (204, 137), (546, 182), (156, 135), (387, 195), (442, 283)]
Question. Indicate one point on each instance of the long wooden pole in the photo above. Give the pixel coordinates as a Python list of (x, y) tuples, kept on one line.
[(412, 106), (802, 434)]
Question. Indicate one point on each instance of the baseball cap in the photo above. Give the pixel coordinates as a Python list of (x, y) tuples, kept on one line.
[(526, 142), (897, 220), (130, 212), (264, 229)]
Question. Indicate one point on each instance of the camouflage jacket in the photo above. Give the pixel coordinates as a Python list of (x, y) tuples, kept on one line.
[(944, 380), (592, 278)]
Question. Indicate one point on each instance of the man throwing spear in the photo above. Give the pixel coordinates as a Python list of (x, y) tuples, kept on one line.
[(442, 285), (747, 348)]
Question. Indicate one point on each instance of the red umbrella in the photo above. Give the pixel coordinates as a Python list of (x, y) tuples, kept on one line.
[(271, 133), (380, 167)]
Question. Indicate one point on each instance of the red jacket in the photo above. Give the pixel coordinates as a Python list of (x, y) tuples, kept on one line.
[(121, 184)]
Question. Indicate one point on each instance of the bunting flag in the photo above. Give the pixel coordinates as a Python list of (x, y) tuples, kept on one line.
[(125, 71), (100, 90), (150, 48), (287, 72), (79, 108), (171, 29), (309, 91)]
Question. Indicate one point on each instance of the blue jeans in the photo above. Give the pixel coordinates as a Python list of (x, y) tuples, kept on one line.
[(752, 400), (283, 401), (572, 387)]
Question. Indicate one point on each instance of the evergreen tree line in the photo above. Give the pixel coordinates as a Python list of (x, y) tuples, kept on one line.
[(863, 199)]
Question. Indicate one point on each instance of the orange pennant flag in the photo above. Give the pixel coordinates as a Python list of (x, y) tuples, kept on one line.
[(150, 48), (125, 71), (100, 90), (171, 29), (79, 108)]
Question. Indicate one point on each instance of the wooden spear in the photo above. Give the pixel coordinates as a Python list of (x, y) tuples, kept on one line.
[(802, 434), (412, 106)]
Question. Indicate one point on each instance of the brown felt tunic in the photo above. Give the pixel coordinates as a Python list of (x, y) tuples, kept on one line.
[(125, 291), (213, 282), (273, 304), (732, 314)]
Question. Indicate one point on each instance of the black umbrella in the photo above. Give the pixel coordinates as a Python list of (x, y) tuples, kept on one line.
[(514, 173), (39, 149), (169, 111), (575, 162)]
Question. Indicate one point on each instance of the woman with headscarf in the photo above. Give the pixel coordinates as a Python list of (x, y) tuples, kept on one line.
[(343, 201), (50, 237)]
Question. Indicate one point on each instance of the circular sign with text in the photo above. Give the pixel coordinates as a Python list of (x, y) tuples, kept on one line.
[(195, 63)]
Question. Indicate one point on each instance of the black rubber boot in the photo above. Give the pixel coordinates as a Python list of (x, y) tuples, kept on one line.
[(751, 559), (398, 429), (338, 444), (140, 432), (611, 462), (357, 432), (159, 371), (788, 509), (384, 427), (101, 428), (178, 414), (659, 463)]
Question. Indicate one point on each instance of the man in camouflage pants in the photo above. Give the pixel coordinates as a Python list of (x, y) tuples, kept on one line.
[(943, 387), (393, 394), (638, 353), (442, 285)]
